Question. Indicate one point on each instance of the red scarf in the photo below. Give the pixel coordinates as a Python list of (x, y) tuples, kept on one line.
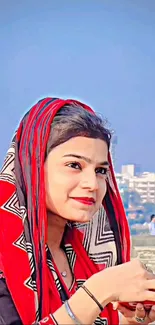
[(23, 230)]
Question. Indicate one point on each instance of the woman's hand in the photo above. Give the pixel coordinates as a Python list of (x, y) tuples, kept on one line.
[(129, 282), (135, 317)]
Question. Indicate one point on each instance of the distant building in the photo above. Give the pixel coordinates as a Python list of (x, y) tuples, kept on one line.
[(143, 183), (131, 170), (128, 170), (145, 186)]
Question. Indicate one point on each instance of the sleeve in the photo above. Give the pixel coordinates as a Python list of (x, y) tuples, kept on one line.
[(8, 312)]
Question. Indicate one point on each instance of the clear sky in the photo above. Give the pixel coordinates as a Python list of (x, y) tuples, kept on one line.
[(100, 51)]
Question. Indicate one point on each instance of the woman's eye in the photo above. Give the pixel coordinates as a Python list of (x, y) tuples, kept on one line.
[(74, 165), (101, 170)]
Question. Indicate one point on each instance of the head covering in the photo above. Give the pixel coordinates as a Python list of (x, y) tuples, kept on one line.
[(23, 218)]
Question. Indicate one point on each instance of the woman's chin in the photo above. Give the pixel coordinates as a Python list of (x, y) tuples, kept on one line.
[(82, 219)]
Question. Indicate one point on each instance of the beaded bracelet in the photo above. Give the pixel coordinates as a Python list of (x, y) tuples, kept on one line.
[(71, 314)]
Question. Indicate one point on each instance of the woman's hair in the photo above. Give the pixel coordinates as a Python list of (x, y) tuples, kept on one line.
[(73, 121)]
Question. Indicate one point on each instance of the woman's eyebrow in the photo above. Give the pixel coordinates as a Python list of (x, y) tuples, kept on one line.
[(88, 160)]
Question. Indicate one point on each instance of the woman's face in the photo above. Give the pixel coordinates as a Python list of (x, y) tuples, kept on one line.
[(75, 178)]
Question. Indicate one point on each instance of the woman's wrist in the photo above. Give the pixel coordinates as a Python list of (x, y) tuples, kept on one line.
[(82, 306), (98, 285)]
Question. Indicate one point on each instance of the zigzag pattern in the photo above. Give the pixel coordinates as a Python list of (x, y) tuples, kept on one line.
[(80, 282), (7, 171), (37, 314), (71, 255), (55, 276), (99, 240), (20, 242), (7, 174), (27, 247), (101, 321), (87, 236), (12, 206), (103, 233), (31, 258), (29, 283), (105, 258)]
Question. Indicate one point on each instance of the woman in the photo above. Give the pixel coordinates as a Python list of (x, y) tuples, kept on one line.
[(64, 236)]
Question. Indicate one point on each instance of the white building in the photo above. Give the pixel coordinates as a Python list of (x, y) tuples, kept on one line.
[(128, 170), (144, 184)]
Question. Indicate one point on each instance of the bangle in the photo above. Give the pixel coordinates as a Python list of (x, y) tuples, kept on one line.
[(71, 314), (91, 296)]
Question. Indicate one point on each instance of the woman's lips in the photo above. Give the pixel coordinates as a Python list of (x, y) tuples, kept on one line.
[(84, 200)]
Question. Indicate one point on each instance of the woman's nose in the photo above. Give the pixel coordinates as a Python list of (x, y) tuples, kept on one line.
[(90, 181)]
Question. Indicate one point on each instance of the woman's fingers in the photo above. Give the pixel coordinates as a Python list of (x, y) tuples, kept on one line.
[(140, 311), (125, 311), (152, 314)]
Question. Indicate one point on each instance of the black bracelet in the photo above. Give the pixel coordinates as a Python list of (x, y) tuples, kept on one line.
[(91, 296)]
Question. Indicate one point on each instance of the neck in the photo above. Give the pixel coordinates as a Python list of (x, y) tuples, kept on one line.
[(56, 227)]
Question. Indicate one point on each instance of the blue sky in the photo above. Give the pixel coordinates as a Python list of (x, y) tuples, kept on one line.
[(101, 52)]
